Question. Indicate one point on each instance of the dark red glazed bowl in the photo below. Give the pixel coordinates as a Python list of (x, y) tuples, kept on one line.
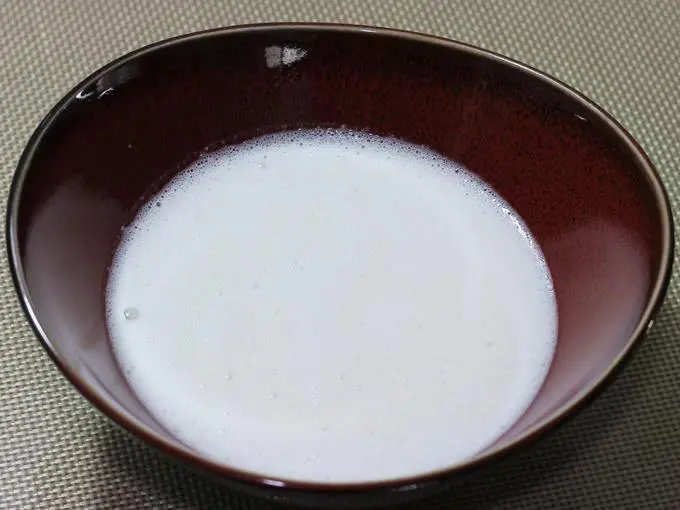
[(584, 187)]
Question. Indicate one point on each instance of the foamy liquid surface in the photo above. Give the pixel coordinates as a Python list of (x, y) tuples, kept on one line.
[(331, 306)]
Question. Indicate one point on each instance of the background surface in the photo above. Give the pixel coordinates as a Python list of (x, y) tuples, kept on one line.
[(622, 452)]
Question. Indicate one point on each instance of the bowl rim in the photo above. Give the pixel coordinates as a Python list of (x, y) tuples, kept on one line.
[(643, 164)]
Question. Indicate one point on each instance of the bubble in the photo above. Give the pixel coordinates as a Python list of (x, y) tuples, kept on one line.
[(131, 314)]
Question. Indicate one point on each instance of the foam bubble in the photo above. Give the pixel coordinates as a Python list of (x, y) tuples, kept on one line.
[(387, 313)]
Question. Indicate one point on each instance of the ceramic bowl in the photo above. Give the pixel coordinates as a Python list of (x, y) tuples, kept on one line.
[(584, 187)]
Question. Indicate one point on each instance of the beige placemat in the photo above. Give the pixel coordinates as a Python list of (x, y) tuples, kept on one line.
[(623, 452)]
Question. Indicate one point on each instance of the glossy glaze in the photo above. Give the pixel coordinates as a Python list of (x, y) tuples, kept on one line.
[(585, 189)]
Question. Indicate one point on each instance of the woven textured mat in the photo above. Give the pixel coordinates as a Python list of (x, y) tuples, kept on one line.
[(622, 452)]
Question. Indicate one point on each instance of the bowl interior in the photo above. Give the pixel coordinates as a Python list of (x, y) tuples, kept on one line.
[(583, 190)]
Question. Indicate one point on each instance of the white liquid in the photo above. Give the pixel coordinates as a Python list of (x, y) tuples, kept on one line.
[(331, 306)]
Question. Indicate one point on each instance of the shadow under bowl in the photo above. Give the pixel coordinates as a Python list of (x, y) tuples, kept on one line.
[(586, 190)]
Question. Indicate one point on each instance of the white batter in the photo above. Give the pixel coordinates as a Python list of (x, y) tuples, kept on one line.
[(331, 306)]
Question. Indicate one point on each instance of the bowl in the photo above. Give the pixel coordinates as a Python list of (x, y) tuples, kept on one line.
[(584, 187)]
